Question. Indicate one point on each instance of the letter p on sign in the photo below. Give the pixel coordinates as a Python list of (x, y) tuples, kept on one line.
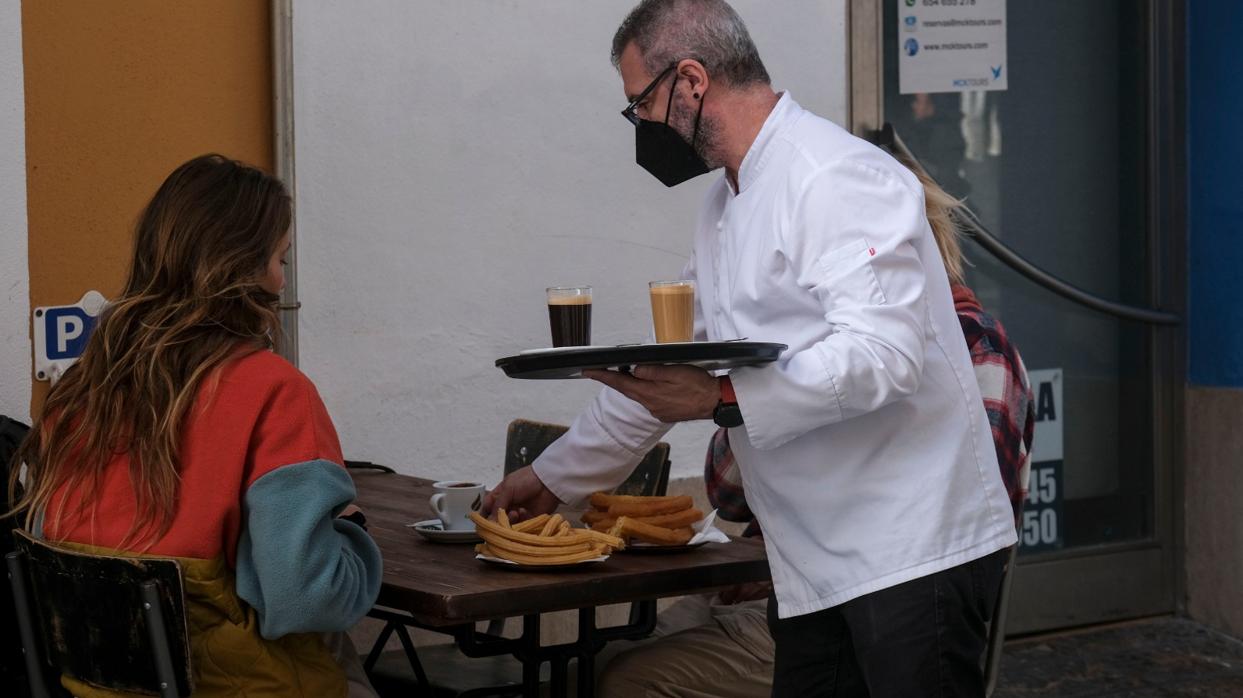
[(68, 328), (61, 333)]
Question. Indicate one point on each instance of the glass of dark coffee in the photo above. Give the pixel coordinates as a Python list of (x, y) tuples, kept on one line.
[(569, 315)]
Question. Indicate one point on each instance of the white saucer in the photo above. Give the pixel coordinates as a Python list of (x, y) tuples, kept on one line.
[(433, 530)]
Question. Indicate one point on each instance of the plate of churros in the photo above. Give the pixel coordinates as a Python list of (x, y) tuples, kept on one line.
[(544, 542), (658, 524)]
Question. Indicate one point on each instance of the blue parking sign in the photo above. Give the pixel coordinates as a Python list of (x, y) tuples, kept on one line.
[(61, 333), (66, 328)]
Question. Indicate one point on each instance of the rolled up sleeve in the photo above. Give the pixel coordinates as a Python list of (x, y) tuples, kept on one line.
[(601, 449)]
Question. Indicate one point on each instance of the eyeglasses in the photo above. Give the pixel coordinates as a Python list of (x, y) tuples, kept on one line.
[(631, 110)]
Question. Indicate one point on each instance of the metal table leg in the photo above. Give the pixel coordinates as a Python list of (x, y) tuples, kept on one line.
[(528, 650), (587, 656), (530, 657), (559, 685)]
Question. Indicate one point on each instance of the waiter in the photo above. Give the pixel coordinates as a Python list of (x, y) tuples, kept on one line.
[(865, 451)]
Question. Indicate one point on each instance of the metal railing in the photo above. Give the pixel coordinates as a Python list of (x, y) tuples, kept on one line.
[(888, 138)]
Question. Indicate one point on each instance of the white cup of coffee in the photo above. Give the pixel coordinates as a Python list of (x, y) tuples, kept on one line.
[(454, 501)]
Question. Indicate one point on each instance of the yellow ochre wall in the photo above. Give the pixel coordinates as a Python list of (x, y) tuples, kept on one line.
[(117, 95)]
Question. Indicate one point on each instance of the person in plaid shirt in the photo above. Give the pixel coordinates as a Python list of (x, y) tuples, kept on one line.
[(721, 645)]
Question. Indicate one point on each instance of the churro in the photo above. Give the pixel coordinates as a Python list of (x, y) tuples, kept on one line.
[(482, 524), (601, 500), (552, 525), (535, 550), (679, 519), (630, 528), (487, 549), (534, 525), (595, 516), (654, 507), (556, 542)]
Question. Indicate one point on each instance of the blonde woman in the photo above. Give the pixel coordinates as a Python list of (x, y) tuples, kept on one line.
[(179, 433)]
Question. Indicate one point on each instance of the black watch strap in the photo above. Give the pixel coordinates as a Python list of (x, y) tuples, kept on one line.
[(727, 414)]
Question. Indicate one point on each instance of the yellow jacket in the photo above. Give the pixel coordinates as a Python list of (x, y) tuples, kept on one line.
[(227, 654)]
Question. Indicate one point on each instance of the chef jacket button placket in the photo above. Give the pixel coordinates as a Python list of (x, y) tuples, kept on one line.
[(718, 315)]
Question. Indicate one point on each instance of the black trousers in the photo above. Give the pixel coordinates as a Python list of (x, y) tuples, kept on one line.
[(925, 637)]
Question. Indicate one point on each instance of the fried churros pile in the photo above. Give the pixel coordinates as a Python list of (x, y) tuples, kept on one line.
[(654, 520), (543, 540)]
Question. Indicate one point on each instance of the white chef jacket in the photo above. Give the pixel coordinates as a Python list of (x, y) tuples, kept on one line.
[(865, 452)]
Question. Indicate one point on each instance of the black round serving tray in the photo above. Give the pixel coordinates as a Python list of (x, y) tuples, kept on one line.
[(570, 362)]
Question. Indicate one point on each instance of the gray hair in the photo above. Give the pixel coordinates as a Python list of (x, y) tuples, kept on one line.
[(709, 31)]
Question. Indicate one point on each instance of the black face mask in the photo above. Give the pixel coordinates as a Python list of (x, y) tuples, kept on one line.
[(662, 151)]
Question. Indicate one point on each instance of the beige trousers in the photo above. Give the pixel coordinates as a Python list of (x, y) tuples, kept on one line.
[(700, 649)]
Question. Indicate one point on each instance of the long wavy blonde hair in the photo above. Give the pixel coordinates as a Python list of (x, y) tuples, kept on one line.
[(939, 206), (192, 299)]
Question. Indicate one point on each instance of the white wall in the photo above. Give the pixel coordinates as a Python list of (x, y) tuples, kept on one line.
[(14, 269), (453, 159)]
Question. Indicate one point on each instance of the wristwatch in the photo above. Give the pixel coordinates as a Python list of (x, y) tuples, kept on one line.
[(727, 413)]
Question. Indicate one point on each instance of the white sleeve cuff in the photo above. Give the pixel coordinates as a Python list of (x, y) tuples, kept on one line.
[(601, 449)]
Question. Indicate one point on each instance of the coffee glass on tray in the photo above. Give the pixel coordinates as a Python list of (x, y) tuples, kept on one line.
[(569, 315), (673, 310)]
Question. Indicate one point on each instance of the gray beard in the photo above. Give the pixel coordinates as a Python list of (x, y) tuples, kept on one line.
[(707, 143)]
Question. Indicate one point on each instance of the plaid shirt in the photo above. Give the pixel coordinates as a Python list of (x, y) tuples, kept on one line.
[(1007, 400)]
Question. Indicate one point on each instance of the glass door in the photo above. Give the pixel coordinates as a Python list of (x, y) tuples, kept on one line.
[(1060, 167)]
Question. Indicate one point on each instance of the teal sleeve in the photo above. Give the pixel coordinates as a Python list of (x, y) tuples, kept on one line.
[(301, 568)]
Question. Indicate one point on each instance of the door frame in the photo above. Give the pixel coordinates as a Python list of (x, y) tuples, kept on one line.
[(1131, 579)]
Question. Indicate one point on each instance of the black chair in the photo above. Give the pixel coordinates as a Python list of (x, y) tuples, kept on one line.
[(442, 670), (12, 666), (526, 440), (997, 628), (114, 622)]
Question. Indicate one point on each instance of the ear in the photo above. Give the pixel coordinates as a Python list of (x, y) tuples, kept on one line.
[(693, 74)]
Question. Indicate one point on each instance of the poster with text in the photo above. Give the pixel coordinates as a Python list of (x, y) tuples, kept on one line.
[(951, 45), (1042, 528)]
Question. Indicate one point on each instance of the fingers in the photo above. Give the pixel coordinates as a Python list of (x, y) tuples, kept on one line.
[(649, 373), (626, 385), (499, 498), (522, 494), (618, 380), (633, 388), (669, 374)]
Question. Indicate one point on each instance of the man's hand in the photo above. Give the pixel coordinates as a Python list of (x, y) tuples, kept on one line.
[(521, 494), (670, 393)]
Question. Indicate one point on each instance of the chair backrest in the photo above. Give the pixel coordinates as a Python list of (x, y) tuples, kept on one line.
[(527, 439), (11, 670), (89, 610)]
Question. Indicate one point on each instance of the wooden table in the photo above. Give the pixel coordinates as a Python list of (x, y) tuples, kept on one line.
[(443, 587)]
